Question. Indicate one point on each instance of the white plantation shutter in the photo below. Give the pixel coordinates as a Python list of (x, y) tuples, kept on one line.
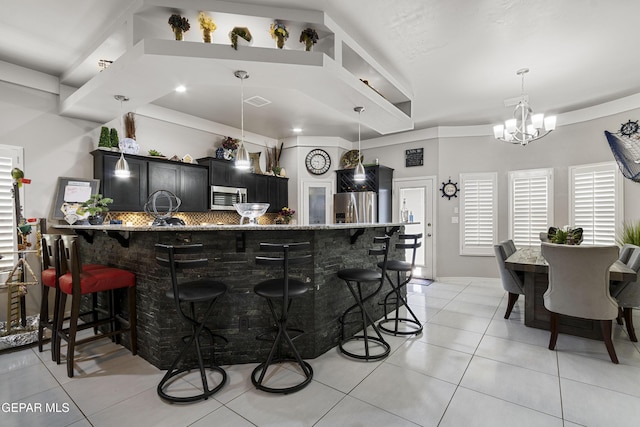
[(530, 205), (8, 160), (596, 205), (478, 213)]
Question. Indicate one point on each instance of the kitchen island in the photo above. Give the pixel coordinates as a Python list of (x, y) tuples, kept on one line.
[(239, 315)]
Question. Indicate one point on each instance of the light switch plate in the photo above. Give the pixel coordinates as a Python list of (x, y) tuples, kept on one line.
[(454, 220)]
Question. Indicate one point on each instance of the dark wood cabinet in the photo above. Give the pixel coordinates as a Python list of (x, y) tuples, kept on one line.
[(223, 172), (128, 194), (378, 179), (269, 189), (188, 182)]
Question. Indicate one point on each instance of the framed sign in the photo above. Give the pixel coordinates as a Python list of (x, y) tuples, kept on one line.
[(414, 157), (73, 191)]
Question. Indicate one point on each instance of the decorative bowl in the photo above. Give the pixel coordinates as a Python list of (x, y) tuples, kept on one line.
[(251, 211)]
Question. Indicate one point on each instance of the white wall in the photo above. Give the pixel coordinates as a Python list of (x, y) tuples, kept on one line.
[(574, 144)]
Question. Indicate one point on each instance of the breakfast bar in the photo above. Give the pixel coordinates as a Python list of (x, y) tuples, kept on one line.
[(240, 315)]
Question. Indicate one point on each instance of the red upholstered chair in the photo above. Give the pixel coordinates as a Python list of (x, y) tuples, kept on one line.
[(76, 281), (49, 280)]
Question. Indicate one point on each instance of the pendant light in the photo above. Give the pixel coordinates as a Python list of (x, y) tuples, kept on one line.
[(359, 174), (242, 157), (122, 166)]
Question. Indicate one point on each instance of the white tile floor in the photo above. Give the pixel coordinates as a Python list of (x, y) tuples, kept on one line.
[(468, 367)]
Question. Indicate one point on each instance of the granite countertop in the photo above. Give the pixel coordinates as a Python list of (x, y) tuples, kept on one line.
[(226, 227)]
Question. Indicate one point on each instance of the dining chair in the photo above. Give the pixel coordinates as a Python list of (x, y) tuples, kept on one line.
[(628, 293), (579, 287), (511, 281)]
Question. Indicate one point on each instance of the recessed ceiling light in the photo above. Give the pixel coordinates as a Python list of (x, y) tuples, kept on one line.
[(297, 130), (181, 89)]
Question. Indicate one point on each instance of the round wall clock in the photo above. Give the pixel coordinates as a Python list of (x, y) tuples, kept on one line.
[(449, 189), (318, 161)]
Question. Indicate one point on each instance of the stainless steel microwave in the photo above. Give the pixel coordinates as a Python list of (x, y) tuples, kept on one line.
[(223, 198)]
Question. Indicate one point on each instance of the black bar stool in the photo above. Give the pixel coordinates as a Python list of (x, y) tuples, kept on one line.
[(282, 289), (354, 277), (202, 290), (410, 241)]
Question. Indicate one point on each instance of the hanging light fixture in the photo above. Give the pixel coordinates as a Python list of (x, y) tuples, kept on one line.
[(242, 157), (122, 166), (525, 126), (359, 174)]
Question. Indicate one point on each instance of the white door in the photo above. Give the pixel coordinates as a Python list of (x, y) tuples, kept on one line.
[(418, 194), (317, 202)]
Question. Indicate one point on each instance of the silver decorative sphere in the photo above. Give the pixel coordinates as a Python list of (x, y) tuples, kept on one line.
[(161, 205)]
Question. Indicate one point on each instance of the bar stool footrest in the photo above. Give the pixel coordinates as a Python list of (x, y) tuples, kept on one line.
[(367, 356), (414, 324), (186, 399), (284, 390)]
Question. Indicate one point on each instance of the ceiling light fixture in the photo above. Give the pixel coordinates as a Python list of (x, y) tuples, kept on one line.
[(122, 166), (525, 126), (297, 130), (242, 157), (359, 174), (181, 89)]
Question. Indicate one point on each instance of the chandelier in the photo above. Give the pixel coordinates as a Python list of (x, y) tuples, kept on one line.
[(525, 126)]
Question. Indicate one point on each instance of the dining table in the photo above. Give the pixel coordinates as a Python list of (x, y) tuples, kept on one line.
[(529, 262)]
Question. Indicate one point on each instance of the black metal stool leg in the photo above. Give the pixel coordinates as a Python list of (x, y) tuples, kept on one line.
[(413, 322), (366, 322), (194, 339)]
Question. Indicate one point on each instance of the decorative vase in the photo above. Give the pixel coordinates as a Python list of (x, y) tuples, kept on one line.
[(96, 219), (229, 154), (280, 42), (220, 153), (206, 35), (178, 33), (308, 44)]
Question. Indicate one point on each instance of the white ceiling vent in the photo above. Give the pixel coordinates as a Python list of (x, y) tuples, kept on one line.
[(257, 101)]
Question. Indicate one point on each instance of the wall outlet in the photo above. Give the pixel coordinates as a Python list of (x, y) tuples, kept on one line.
[(454, 220)]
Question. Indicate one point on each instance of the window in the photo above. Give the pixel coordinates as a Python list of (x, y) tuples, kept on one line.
[(530, 205), (596, 202), (9, 158), (479, 205)]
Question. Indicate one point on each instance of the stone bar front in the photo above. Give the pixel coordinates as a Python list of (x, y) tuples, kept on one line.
[(239, 315)]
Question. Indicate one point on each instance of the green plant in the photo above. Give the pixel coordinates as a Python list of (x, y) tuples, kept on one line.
[(309, 37), (155, 153), (279, 33), (207, 26), (239, 32), (177, 22), (115, 141), (94, 205), (630, 233), (105, 139), (565, 236)]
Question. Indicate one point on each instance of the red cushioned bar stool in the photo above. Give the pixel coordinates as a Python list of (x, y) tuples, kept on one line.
[(375, 347), (189, 293), (77, 282), (401, 325), (49, 280)]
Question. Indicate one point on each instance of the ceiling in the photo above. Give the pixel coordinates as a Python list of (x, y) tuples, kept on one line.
[(457, 57)]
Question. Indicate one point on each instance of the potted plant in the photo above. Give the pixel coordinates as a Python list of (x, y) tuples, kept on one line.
[(279, 33), (285, 215), (96, 207), (207, 26), (242, 32), (105, 139), (309, 37), (179, 25), (115, 141), (630, 233)]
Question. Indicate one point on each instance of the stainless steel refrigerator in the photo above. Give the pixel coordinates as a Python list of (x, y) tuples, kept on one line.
[(355, 207)]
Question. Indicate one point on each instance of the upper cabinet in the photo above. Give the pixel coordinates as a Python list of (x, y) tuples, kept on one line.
[(188, 182), (128, 194), (327, 80)]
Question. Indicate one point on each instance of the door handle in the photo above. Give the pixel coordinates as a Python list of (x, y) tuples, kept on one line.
[(429, 235)]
